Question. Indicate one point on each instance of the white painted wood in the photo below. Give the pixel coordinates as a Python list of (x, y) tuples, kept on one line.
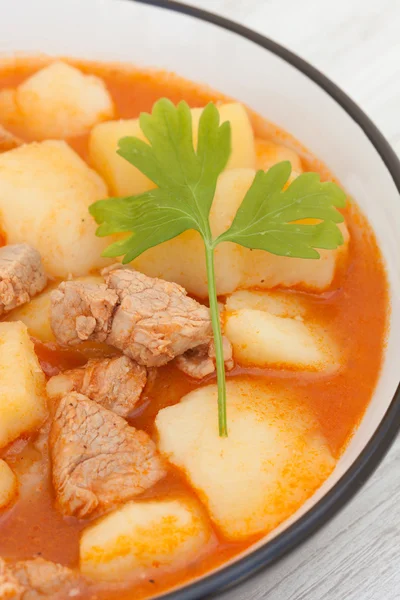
[(357, 44)]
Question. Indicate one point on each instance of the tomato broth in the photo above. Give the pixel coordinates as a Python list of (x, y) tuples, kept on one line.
[(355, 309)]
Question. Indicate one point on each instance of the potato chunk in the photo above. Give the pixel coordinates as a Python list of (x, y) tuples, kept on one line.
[(242, 136), (8, 485), (56, 102), (273, 459), (264, 270), (22, 391), (45, 191), (268, 154), (8, 141), (124, 179), (142, 538), (36, 316), (182, 259), (262, 339), (275, 302)]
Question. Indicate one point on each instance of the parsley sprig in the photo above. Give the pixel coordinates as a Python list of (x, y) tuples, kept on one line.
[(269, 217)]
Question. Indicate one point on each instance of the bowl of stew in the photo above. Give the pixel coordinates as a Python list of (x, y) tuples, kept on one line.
[(199, 300)]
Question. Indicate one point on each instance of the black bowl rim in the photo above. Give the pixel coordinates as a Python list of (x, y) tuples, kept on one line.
[(382, 439)]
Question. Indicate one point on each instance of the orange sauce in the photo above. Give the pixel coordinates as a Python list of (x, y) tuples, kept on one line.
[(355, 307)]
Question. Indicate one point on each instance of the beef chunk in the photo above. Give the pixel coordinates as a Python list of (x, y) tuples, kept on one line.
[(44, 579), (155, 320), (8, 141), (200, 362), (115, 383), (81, 311), (98, 460), (21, 275), (148, 319), (35, 579)]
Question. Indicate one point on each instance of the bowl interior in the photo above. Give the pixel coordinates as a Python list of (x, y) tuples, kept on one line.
[(119, 30)]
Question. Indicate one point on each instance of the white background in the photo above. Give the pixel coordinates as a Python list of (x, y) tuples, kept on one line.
[(357, 44)]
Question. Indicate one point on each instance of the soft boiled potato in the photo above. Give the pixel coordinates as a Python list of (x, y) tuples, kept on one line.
[(276, 302), (268, 329), (57, 102), (262, 339), (8, 485), (36, 313), (242, 136), (264, 270), (273, 459), (142, 538), (8, 141), (124, 179), (45, 191), (22, 391), (268, 154), (182, 259)]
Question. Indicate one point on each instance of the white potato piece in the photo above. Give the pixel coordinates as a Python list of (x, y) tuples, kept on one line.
[(264, 270), (275, 302), (8, 485), (124, 179), (182, 259), (45, 191), (273, 459), (22, 391), (268, 154), (243, 154), (141, 538), (36, 313), (262, 339), (58, 101), (8, 141)]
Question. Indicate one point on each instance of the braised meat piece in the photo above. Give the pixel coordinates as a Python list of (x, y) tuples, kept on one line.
[(200, 362), (81, 311), (44, 579), (115, 383), (35, 579), (98, 460), (8, 141), (155, 320), (148, 319), (22, 275)]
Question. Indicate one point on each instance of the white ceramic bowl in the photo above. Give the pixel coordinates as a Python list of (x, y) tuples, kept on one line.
[(288, 91)]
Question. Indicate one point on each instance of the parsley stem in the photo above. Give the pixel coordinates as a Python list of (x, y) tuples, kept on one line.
[(219, 349)]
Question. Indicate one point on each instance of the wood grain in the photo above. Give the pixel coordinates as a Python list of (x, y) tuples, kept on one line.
[(357, 44)]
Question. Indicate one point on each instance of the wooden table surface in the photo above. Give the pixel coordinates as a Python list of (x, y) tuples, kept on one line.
[(357, 44)]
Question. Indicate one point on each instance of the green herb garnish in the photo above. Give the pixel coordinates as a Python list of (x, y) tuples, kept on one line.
[(186, 180)]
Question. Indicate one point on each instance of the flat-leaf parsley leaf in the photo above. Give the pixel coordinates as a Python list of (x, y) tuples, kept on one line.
[(271, 216)]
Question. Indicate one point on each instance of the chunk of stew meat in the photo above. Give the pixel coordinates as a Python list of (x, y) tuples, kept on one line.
[(35, 579), (149, 319), (98, 460), (200, 362), (115, 383), (22, 275)]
